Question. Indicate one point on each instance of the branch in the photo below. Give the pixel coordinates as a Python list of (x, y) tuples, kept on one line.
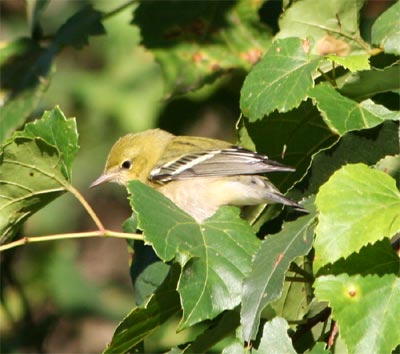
[(98, 233)]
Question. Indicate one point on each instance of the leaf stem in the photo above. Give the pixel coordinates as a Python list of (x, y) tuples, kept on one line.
[(98, 233), (118, 9), (87, 207), (295, 268)]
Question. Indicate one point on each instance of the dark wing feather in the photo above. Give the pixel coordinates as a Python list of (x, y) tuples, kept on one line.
[(224, 162)]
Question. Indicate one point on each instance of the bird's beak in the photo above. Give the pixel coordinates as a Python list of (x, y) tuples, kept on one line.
[(105, 177)]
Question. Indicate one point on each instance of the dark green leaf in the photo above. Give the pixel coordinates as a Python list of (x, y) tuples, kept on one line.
[(296, 135), (76, 30), (196, 41), (25, 74), (386, 30), (280, 81), (35, 168), (216, 253), (34, 9), (385, 261), (368, 146), (357, 206), (265, 282), (365, 84), (225, 326), (140, 322), (355, 300), (343, 114)]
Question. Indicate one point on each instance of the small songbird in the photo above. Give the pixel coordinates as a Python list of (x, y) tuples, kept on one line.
[(198, 174)]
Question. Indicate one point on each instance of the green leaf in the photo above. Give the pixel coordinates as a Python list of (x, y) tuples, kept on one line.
[(265, 282), (25, 74), (58, 131), (225, 326), (35, 168), (275, 339), (343, 114), (141, 322), (367, 146), (385, 261), (76, 30), (300, 133), (386, 30), (355, 300), (280, 81), (357, 206), (365, 84), (352, 62), (196, 41), (216, 253), (324, 21)]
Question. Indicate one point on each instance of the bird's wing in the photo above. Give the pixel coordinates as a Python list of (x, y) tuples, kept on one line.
[(216, 162)]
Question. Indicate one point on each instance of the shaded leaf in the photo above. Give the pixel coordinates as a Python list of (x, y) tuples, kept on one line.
[(225, 326), (343, 114), (265, 282), (34, 8), (385, 261), (275, 339), (280, 81), (196, 41), (76, 30), (358, 205), (366, 84), (355, 300), (25, 74), (35, 168), (296, 135), (386, 30), (142, 321), (368, 147), (214, 255)]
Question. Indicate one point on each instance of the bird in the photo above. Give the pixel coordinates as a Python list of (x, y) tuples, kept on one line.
[(198, 174)]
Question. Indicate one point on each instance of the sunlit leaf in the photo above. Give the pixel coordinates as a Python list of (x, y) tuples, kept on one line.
[(280, 81), (275, 339), (343, 114), (365, 308), (358, 205), (334, 25)]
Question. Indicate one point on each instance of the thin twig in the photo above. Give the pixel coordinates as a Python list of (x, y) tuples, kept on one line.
[(98, 233), (118, 9), (86, 205)]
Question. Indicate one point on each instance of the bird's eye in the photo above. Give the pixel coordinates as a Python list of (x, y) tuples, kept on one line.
[(126, 165)]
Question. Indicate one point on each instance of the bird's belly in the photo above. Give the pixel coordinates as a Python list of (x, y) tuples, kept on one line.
[(202, 196)]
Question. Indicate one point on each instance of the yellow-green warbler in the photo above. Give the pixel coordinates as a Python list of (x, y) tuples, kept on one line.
[(198, 174)]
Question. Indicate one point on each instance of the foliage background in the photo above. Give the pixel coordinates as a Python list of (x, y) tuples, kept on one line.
[(113, 86), (75, 292)]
